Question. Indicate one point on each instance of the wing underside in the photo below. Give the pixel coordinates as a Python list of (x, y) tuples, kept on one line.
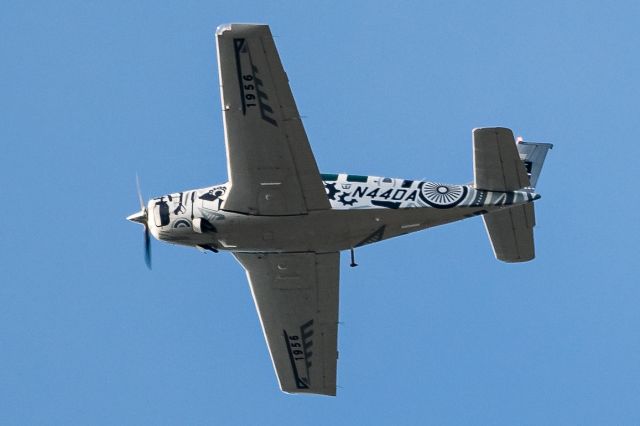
[(296, 295), (271, 166)]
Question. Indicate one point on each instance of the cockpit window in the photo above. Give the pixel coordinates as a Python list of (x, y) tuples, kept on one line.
[(161, 213)]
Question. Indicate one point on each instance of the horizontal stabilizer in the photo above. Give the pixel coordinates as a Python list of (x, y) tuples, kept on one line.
[(496, 163), (511, 233)]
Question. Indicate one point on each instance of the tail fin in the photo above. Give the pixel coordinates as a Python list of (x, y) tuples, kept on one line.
[(533, 154)]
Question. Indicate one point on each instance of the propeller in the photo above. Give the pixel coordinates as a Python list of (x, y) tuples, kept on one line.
[(142, 217), (147, 246)]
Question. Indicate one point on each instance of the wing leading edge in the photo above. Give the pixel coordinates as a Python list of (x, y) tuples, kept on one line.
[(271, 166), (296, 295)]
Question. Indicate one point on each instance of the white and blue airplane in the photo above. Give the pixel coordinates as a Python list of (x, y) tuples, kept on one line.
[(286, 223)]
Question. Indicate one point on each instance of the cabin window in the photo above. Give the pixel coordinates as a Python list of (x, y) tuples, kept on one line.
[(356, 178), (161, 213)]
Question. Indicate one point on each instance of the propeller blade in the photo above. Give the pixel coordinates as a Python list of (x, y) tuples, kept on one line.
[(147, 247), (143, 217), (142, 206)]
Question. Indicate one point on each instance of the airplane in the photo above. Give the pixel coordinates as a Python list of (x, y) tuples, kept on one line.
[(286, 223)]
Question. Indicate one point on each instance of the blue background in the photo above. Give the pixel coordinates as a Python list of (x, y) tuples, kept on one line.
[(434, 329)]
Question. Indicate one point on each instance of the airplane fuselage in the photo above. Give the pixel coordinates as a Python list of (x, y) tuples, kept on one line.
[(365, 209)]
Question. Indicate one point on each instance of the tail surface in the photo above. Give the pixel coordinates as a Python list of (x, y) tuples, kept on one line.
[(496, 162), (502, 165), (532, 155)]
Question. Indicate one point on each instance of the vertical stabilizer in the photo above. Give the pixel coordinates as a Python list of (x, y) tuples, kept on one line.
[(532, 155)]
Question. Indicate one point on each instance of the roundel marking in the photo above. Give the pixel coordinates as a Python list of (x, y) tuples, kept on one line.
[(181, 223), (442, 196)]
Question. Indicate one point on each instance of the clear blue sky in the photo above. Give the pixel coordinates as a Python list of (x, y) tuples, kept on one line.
[(434, 329)]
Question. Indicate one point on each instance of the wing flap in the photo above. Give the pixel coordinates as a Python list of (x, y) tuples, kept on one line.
[(271, 166), (296, 295)]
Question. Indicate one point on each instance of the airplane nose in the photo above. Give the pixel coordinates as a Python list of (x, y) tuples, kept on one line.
[(138, 217)]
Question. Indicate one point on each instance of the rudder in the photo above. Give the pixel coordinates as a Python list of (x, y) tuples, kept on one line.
[(533, 155)]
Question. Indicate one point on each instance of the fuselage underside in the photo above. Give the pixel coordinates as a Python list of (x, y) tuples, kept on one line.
[(365, 209)]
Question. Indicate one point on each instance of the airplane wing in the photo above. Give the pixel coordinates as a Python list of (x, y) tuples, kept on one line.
[(271, 167), (296, 295), (496, 163)]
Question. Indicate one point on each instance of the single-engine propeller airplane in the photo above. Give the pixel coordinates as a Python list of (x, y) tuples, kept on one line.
[(286, 223)]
